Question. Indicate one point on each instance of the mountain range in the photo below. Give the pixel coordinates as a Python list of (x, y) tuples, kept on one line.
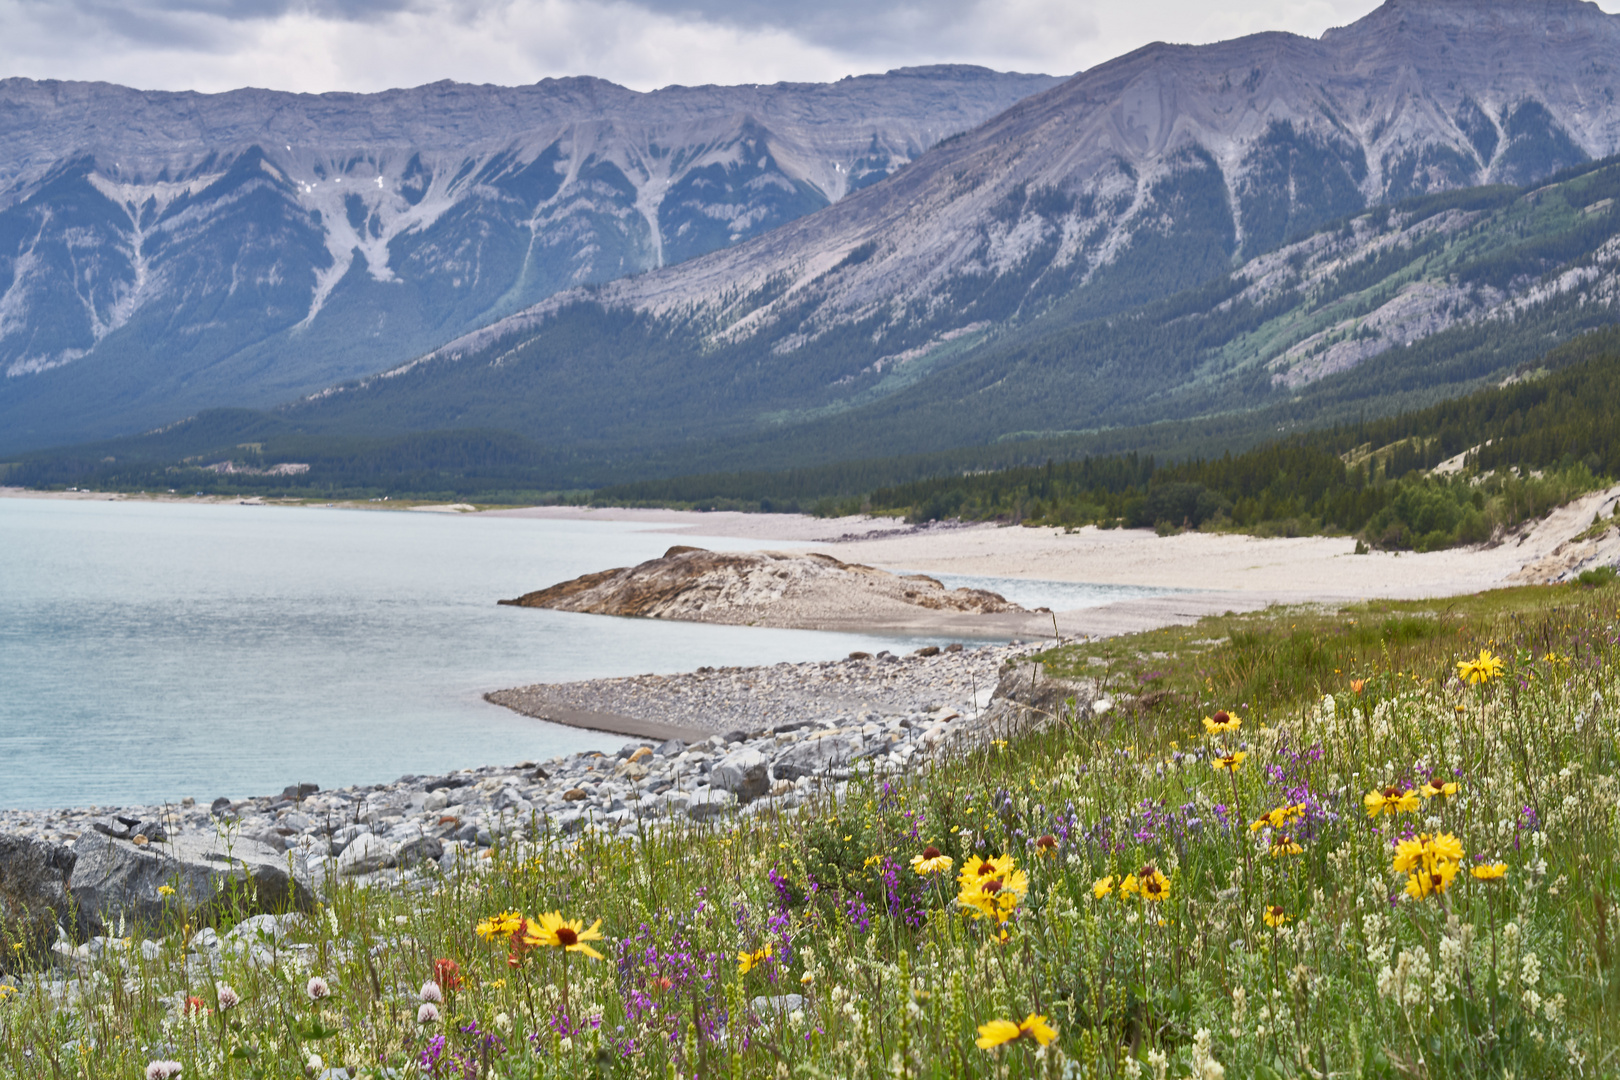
[(1353, 222), (160, 252)]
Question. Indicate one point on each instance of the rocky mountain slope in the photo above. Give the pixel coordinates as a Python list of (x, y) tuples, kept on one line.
[(164, 251), (982, 292)]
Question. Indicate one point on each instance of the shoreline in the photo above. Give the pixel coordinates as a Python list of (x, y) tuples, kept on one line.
[(1203, 574), (788, 729)]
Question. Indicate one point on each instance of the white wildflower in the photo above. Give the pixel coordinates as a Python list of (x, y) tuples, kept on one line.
[(163, 1070), (1240, 1009), (228, 997), (317, 988), (1530, 969), (430, 992), (1159, 1063), (427, 1013), (1205, 1067)]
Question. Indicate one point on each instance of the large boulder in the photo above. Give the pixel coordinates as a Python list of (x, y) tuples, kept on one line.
[(818, 754), (745, 773), (34, 897), (115, 881)]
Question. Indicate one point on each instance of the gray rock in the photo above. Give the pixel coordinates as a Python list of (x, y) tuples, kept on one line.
[(420, 850), (271, 838), (817, 755), (114, 878), (670, 748), (34, 897), (745, 773), (779, 1004), (708, 804), (365, 854)]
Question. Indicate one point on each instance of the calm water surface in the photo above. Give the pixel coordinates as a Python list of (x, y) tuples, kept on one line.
[(150, 651)]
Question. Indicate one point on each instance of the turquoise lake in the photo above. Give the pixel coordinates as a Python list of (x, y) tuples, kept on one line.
[(150, 651)]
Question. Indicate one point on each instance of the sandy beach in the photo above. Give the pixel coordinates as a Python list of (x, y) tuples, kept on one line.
[(1212, 573)]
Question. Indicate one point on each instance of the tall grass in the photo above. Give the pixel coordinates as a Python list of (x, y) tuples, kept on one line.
[(1289, 948)]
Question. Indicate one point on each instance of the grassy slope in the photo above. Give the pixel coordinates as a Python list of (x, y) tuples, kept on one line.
[(1359, 981)]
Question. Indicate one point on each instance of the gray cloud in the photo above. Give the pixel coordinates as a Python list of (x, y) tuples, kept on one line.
[(859, 26), (367, 45)]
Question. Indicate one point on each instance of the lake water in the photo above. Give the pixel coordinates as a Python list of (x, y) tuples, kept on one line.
[(150, 651)]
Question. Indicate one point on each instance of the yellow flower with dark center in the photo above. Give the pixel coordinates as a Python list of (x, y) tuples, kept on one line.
[(1425, 852), (995, 896), (1429, 882), (1102, 887), (501, 926), (1481, 669), (569, 935), (1391, 800), (976, 871), (748, 961), (1490, 872), (1222, 722), (1279, 817), (1282, 844), (931, 861), (1000, 1032), (1438, 785), (1230, 762), (1151, 884), (1274, 916)]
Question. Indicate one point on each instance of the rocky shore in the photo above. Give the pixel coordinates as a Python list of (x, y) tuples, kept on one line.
[(718, 700), (777, 737)]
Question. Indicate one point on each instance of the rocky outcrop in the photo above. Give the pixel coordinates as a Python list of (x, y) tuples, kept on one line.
[(34, 897), (120, 884), (765, 588)]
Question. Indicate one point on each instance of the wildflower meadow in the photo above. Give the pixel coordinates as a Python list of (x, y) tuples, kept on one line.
[(1403, 866)]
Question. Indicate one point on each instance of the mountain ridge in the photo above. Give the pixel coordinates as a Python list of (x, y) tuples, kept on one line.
[(381, 225), (1044, 214)]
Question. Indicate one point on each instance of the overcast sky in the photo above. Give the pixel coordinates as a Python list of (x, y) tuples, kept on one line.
[(364, 45)]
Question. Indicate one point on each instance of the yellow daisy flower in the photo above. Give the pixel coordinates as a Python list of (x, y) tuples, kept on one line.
[(569, 935), (1438, 785), (1391, 800), (1152, 884), (931, 861), (501, 926), (1102, 887), (1222, 722), (1000, 1032), (1490, 872), (1429, 882), (748, 961), (1481, 669), (1230, 762)]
